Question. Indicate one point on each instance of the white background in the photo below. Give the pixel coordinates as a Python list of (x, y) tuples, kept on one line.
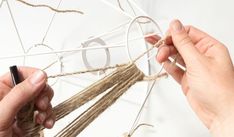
[(216, 17), (167, 109)]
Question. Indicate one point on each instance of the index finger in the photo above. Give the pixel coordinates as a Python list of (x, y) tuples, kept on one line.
[(153, 39), (195, 34)]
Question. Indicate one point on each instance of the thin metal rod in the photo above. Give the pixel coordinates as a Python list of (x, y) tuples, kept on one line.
[(1, 3), (142, 107), (51, 22), (114, 29), (144, 102), (147, 47), (15, 26), (58, 51), (72, 50)]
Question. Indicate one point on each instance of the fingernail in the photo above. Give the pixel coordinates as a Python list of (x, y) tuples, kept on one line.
[(177, 26), (37, 77), (149, 39), (42, 117), (44, 102), (50, 122)]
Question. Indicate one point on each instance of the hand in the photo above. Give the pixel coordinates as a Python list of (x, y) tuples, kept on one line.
[(12, 99), (208, 80)]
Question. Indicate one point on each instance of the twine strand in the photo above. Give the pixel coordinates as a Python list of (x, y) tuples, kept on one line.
[(113, 86), (86, 71), (147, 78), (133, 75), (49, 7), (120, 80)]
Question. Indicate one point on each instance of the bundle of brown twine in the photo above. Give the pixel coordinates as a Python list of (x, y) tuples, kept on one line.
[(111, 87), (128, 76)]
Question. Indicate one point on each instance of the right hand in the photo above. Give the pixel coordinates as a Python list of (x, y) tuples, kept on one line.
[(208, 82)]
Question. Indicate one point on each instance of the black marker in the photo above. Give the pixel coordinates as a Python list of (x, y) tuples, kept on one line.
[(14, 75)]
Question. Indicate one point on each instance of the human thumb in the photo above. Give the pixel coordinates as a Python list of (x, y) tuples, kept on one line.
[(183, 42), (20, 95)]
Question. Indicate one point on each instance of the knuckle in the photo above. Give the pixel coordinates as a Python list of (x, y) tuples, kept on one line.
[(185, 41), (190, 26), (23, 88), (20, 89), (223, 48)]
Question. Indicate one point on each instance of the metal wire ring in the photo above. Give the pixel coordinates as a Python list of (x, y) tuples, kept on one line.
[(128, 31), (57, 55), (84, 54)]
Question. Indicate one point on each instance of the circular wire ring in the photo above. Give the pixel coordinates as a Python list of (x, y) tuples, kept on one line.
[(128, 31), (84, 54), (57, 55)]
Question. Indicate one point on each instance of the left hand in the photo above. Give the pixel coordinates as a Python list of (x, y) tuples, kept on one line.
[(33, 87)]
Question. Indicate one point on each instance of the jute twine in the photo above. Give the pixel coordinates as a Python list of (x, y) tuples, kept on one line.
[(25, 120), (129, 77), (111, 87), (49, 7)]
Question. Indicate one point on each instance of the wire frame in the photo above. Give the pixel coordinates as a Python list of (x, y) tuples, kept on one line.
[(77, 42)]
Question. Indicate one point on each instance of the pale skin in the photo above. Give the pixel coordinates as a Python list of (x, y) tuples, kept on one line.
[(208, 82), (33, 87)]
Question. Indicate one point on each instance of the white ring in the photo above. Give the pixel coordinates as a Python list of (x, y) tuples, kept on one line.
[(48, 47), (128, 30), (84, 57)]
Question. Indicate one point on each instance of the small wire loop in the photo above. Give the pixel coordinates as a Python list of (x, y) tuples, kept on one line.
[(130, 26), (135, 129), (84, 54), (51, 64)]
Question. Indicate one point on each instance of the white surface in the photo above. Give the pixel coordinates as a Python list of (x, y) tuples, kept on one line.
[(167, 110), (67, 32), (170, 110)]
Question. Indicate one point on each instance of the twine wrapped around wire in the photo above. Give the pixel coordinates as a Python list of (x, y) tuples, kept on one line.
[(24, 120), (112, 86)]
